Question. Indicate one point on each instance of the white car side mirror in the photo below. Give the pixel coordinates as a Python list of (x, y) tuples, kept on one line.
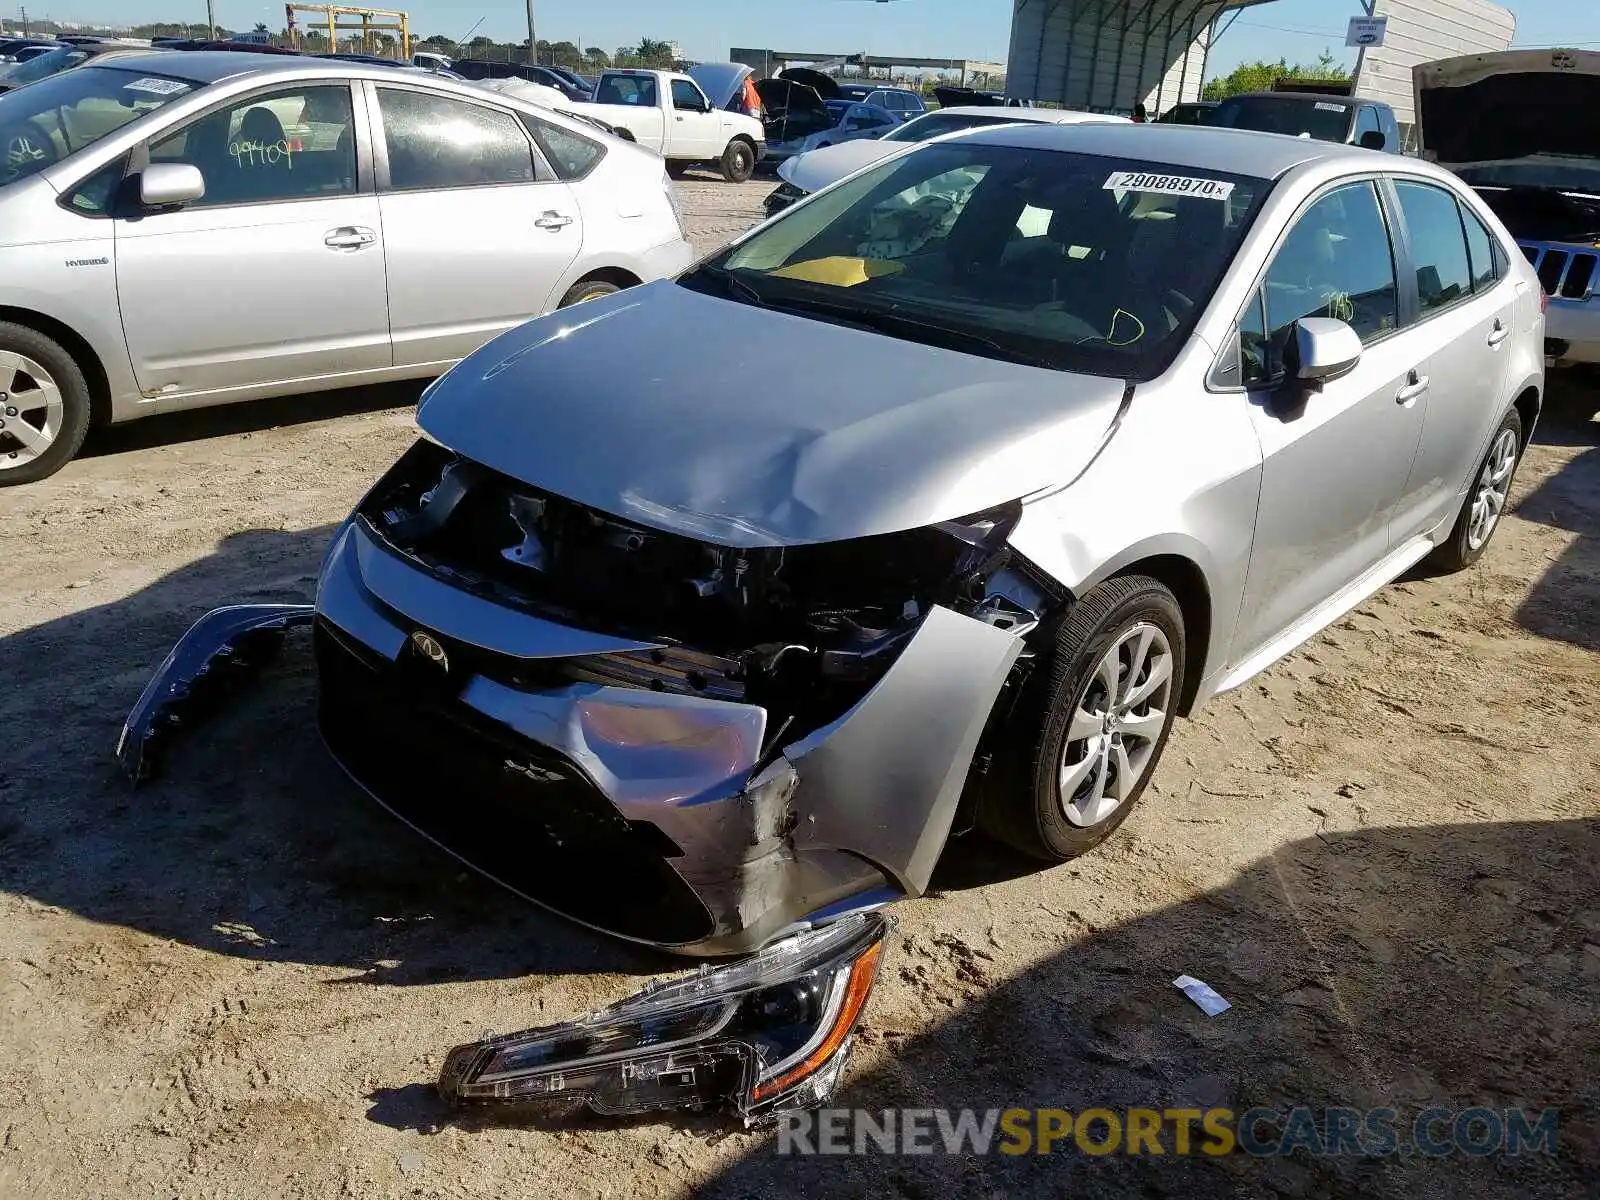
[(162, 185)]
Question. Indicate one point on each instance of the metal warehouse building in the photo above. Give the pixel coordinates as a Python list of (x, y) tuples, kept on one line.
[(1108, 55)]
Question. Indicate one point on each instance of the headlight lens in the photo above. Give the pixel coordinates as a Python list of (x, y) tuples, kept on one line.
[(763, 1035)]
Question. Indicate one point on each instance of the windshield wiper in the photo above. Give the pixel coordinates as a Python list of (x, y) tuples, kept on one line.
[(731, 284)]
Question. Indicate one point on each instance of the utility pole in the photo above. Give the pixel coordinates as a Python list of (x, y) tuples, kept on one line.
[(533, 46), (211, 20), (24, 13)]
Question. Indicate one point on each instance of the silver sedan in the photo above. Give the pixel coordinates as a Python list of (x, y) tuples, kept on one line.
[(1082, 426), (186, 229)]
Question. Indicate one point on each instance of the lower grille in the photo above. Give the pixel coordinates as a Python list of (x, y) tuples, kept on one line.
[(1565, 273), (520, 812)]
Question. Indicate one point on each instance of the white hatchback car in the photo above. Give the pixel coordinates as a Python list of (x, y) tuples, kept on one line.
[(180, 230)]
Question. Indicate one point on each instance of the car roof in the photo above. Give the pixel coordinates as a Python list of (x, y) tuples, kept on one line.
[(1334, 97), (1202, 147), (1039, 116), (213, 66)]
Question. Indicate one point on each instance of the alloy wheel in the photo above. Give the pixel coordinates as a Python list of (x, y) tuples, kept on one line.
[(31, 410), (1494, 485), (1116, 725)]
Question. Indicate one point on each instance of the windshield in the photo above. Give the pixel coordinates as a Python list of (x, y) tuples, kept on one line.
[(1324, 120), (43, 123), (931, 125), (1071, 261)]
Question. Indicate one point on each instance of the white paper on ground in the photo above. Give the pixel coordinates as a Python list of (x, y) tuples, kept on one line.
[(1210, 1003)]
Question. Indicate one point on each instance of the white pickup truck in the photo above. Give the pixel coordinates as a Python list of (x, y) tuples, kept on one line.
[(669, 113)]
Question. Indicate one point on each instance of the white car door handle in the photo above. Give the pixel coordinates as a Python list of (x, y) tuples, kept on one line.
[(1498, 334), (1415, 386), (349, 237), (553, 220)]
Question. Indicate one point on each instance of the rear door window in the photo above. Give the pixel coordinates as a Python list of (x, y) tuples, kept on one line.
[(1438, 245), (437, 142), (1484, 263)]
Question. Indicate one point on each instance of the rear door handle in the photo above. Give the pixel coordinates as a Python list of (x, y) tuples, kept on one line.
[(553, 220), (1415, 386), (349, 237), (1498, 334)]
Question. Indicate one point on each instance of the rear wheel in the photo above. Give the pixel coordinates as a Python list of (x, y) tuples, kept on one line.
[(588, 289), (1480, 512), (1091, 728), (44, 405), (738, 161)]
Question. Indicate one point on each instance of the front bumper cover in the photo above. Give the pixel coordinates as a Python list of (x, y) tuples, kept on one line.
[(647, 815)]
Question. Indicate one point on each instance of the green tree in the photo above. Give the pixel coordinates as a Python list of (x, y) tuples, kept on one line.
[(654, 53), (565, 54), (597, 57), (1259, 76)]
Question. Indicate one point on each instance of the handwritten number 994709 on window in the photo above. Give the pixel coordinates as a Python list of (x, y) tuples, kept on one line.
[(263, 154)]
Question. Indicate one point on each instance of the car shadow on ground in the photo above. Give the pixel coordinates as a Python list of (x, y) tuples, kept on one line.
[(252, 842), (1476, 984), (1562, 603), (227, 420)]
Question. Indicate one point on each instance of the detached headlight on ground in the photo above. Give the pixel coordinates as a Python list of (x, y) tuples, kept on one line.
[(767, 1034)]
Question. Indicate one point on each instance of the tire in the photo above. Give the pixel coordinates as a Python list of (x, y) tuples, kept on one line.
[(738, 161), (677, 168), (588, 289), (1026, 805), (42, 390), (1486, 500)]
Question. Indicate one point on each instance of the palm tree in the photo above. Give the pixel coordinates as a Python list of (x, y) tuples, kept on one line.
[(653, 53), (261, 27)]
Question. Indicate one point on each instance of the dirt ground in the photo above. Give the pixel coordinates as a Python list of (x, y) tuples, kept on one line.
[(240, 981)]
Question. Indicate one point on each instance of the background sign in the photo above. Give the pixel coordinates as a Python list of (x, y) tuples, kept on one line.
[(1366, 31)]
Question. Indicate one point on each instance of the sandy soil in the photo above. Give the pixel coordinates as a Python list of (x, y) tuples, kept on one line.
[(240, 981)]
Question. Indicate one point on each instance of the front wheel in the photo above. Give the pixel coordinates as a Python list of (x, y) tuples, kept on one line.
[(44, 405), (738, 161), (1092, 723), (1480, 512)]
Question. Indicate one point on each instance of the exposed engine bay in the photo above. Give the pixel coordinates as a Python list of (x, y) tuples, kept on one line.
[(1546, 214), (802, 631)]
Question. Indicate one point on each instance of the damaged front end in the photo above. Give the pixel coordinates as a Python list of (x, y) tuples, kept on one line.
[(700, 747), (765, 1035), (687, 744)]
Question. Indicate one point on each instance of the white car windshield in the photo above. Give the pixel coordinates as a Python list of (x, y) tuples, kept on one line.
[(46, 121), (1072, 261)]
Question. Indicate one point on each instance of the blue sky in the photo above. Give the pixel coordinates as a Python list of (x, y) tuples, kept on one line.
[(1295, 29)]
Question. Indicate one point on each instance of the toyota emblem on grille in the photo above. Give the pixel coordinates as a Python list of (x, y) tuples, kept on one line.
[(431, 650)]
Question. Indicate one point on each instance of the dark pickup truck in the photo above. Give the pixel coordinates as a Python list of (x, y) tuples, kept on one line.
[(1327, 118)]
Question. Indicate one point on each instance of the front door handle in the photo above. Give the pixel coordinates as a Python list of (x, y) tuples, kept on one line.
[(1498, 334), (553, 220), (1415, 385), (349, 237)]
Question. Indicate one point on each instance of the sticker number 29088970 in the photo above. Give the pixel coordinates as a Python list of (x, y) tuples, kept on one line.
[(1168, 185)]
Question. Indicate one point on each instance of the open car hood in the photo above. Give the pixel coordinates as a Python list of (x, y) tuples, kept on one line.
[(654, 405), (1516, 104), (793, 101), (720, 81)]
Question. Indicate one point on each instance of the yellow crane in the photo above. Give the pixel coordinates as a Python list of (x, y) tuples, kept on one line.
[(350, 21)]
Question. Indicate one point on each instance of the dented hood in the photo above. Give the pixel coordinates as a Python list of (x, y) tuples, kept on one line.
[(744, 426), (1482, 108)]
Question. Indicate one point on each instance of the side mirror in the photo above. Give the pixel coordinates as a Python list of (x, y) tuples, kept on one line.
[(1322, 349), (162, 185), (1373, 139)]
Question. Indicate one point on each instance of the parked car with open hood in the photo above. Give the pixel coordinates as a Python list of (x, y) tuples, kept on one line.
[(179, 230), (815, 169), (699, 663), (851, 122), (1519, 127)]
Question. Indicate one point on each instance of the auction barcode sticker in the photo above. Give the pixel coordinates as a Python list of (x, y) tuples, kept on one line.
[(157, 86), (1168, 185)]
